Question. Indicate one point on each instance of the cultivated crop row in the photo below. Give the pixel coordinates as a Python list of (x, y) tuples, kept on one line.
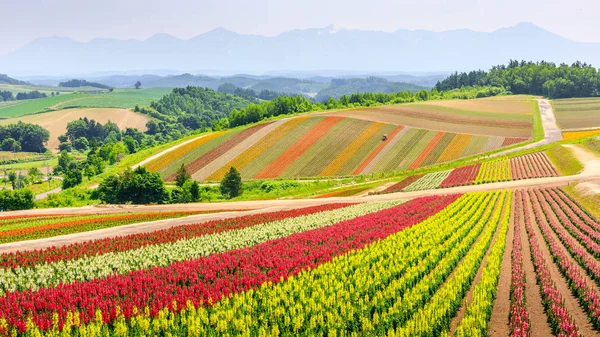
[(536, 165), (425, 267), (30, 228), (319, 146)]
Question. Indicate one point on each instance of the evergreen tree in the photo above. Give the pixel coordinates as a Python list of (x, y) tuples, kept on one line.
[(231, 185), (182, 176)]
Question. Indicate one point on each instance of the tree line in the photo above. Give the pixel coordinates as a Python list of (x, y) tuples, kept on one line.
[(249, 94), (23, 137), (535, 78), (75, 83)]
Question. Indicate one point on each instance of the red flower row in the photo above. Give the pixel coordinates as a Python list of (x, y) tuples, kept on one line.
[(62, 227), (134, 241), (461, 176), (208, 279)]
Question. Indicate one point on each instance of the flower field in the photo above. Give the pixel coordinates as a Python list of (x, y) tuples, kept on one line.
[(424, 267), (320, 146), (38, 227), (534, 165)]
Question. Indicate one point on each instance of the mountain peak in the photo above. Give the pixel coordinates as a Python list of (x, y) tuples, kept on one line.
[(162, 37)]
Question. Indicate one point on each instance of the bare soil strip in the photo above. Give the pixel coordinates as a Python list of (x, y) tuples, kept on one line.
[(552, 132), (498, 325), (235, 151), (537, 314), (571, 302)]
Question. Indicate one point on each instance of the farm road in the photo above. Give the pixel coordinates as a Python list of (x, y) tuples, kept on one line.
[(233, 209), (552, 132)]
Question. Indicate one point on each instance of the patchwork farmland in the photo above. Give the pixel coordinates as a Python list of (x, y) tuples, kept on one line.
[(510, 117), (530, 166), (577, 113), (320, 146)]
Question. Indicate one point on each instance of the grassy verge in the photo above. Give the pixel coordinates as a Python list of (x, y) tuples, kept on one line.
[(590, 201), (44, 186), (564, 160), (538, 127)]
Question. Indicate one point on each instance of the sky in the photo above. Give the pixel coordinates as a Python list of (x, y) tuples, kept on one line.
[(25, 20)]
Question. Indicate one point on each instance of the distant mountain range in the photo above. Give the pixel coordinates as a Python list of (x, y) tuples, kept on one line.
[(318, 87), (5, 79), (306, 50)]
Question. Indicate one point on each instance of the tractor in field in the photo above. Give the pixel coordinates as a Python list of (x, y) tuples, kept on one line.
[(384, 138)]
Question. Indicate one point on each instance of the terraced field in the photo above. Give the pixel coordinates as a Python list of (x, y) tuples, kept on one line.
[(320, 146), (490, 117)]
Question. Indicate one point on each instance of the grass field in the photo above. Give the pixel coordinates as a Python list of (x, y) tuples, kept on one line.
[(506, 117), (319, 146), (119, 98), (577, 113), (564, 160), (15, 89), (56, 121), (6, 156)]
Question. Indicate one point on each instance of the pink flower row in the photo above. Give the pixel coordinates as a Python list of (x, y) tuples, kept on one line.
[(519, 316), (559, 318)]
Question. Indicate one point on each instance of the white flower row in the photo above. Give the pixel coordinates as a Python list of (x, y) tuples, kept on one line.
[(99, 266)]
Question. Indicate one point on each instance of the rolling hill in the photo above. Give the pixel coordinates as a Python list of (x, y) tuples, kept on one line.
[(320, 146), (4, 79)]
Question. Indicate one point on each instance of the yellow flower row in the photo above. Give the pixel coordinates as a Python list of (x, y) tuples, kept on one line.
[(492, 171), (475, 322), (437, 314), (455, 148), (343, 157), (169, 157), (257, 149), (567, 135)]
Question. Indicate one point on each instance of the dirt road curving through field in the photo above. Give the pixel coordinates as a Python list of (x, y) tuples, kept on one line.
[(552, 133)]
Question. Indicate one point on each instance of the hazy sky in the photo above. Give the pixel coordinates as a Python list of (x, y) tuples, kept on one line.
[(24, 20)]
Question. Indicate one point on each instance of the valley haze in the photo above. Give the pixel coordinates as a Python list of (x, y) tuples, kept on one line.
[(327, 49)]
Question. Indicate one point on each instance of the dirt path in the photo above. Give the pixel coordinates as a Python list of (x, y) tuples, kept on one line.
[(590, 161), (46, 194), (552, 133), (142, 227), (590, 174), (537, 314), (256, 204), (498, 325)]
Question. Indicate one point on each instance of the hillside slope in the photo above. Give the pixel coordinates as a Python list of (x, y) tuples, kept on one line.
[(320, 146)]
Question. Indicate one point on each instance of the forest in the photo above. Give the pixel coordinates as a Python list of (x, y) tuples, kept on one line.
[(534, 78), (75, 83), (23, 137)]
